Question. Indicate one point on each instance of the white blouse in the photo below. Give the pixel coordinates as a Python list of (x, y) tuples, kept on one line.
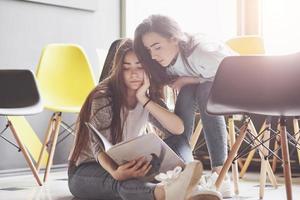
[(204, 61)]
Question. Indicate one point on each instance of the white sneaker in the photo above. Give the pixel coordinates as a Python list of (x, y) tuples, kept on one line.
[(208, 182), (226, 188), (180, 185)]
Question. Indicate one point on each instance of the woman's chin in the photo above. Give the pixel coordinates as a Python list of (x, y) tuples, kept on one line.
[(164, 64), (135, 87)]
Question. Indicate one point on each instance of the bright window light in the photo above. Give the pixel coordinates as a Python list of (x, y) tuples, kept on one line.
[(216, 18), (281, 28)]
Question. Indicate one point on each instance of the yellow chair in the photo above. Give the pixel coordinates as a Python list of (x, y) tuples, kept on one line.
[(247, 45), (65, 79)]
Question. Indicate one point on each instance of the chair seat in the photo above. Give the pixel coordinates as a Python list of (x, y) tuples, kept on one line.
[(218, 109), (63, 104), (29, 110), (68, 109)]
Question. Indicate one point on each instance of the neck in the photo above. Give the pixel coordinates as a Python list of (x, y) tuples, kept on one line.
[(174, 59), (131, 99)]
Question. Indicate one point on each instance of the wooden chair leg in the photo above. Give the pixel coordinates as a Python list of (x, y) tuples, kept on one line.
[(271, 175), (234, 167), (269, 170), (263, 152), (286, 159), (26, 154), (231, 155), (240, 163), (249, 157), (247, 163), (297, 136), (53, 144), (276, 145), (262, 177), (46, 141), (274, 160), (264, 160), (238, 118), (196, 135)]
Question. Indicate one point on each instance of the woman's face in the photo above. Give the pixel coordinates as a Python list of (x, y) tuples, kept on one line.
[(133, 71), (161, 49)]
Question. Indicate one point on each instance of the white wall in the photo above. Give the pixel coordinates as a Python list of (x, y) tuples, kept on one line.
[(25, 28), (216, 18), (281, 30)]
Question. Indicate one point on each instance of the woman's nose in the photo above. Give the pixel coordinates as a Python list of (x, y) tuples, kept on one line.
[(134, 72), (153, 55)]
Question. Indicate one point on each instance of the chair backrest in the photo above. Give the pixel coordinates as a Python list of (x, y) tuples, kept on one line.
[(109, 59), (247, 45), (64, 74), (101, 54), (267, 85), (19, 93)]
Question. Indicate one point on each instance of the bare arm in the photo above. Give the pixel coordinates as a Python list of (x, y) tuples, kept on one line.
[(167, 119), (107, 163), (184, 80)]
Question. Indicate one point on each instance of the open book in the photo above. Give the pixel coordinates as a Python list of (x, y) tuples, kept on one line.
[(161, 156)]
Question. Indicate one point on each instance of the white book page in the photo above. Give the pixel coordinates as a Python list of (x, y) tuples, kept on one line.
[(148, 145), (106, 143)]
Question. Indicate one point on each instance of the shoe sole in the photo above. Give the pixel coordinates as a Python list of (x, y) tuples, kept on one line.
[(204, 197), (196, 175)]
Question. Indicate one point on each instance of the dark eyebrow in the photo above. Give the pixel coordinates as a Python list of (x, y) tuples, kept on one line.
[(126, 63), (154, 44)]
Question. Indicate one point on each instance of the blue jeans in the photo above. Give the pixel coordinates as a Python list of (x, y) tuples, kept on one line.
[(191, 99), (90, 181)]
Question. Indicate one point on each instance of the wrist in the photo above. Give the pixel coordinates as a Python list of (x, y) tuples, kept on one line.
[(143, 99), (146, 103), (115, 175)]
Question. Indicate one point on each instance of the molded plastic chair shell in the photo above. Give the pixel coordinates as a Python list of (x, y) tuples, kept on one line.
[(265, 85), (65, 77), (19, 93)]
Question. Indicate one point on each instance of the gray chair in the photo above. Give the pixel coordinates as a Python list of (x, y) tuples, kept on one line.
[(264, 85), (19, 96), (108, 63)]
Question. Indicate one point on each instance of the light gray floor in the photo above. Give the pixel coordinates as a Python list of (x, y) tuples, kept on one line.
[(24, 187)]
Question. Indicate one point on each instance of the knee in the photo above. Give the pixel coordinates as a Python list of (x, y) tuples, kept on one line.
[(76, 189), (134, 189), (125, 189), (186, 96), (187, 91)]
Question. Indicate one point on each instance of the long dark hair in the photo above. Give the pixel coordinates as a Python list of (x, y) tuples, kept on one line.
[(167, 28), (114, 89)]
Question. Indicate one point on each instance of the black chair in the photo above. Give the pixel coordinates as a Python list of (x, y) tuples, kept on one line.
[(264, 85), (108, 63), (19, 96)]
